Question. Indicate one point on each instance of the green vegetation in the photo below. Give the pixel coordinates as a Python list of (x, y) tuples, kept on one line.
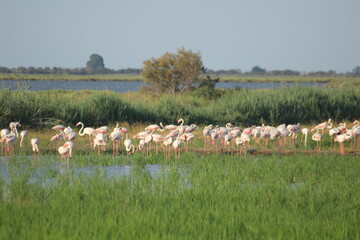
[(334, 81), (198, 197), (208, 106), (174, 72)]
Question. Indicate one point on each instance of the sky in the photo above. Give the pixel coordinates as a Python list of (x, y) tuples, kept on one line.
[(302, 35)]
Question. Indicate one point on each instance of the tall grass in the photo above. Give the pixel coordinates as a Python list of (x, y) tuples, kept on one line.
[(200, 197), (243, 107)]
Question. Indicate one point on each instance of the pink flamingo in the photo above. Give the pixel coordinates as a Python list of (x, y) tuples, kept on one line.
[(59, 127), (157, 138), (324, 125), (341, 139), (187, 137), (116, 137)]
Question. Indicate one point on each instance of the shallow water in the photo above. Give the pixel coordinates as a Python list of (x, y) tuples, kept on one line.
[(49, 169), (131, 86)]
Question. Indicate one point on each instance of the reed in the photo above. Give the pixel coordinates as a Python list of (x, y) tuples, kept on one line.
[(242, 107)]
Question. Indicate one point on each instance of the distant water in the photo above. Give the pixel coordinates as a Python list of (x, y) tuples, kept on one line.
[(132, 86)]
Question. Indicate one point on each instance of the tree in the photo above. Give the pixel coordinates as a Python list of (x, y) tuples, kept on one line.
[(258, 70), (95, 64), (356, 70), (174, 72)]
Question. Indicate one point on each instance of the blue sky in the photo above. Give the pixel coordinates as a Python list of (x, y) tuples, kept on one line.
[(303, 35)]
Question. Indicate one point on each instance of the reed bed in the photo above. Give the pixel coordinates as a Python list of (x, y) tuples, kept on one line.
[(197, 197), (241, 107)]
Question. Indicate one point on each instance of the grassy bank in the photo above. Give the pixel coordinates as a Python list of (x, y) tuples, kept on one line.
[(338, 80), (241, 107), (199, 197)]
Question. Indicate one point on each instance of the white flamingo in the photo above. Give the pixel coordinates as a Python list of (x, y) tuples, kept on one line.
[(305, 132), (23, 134), (91, 132), (35, 145), (318, 138)]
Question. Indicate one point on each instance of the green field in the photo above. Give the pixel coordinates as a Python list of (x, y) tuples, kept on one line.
[(274, 193), (198, 197)]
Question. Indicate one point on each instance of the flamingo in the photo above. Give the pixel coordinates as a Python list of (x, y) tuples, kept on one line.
[(333, 132), (35, 146), (91, 132), (293, 129), (169, 127), (71, 136), (324, 125), (128, 144), (100, 141), (154, 127), (57, 137), (157, 138), (59, 127), (65, 151), (305, 132), (147, 140), (167, 143), (206, 133), (239, 144), (10, 138), (3, 133), (341, 139), (265, 134), (318, 138), (23, 134), (191, 128), (130, 149), (13, 125), (227, 139), (245, 138), (214, 135), (116, 137), (186, 137), (142, 146), (355, 132), (102, 129), (177, 146), (69, 145), (284, 134)]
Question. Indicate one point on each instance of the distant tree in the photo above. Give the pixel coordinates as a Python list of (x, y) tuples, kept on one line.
[(95, 64), (258, 70), (356, 70), (5, 70), (174, 72)]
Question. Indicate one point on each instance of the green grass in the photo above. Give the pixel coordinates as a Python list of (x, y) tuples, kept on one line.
[(198, 197)]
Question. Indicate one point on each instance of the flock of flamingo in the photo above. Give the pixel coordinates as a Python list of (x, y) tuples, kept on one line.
[(179, 136)]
